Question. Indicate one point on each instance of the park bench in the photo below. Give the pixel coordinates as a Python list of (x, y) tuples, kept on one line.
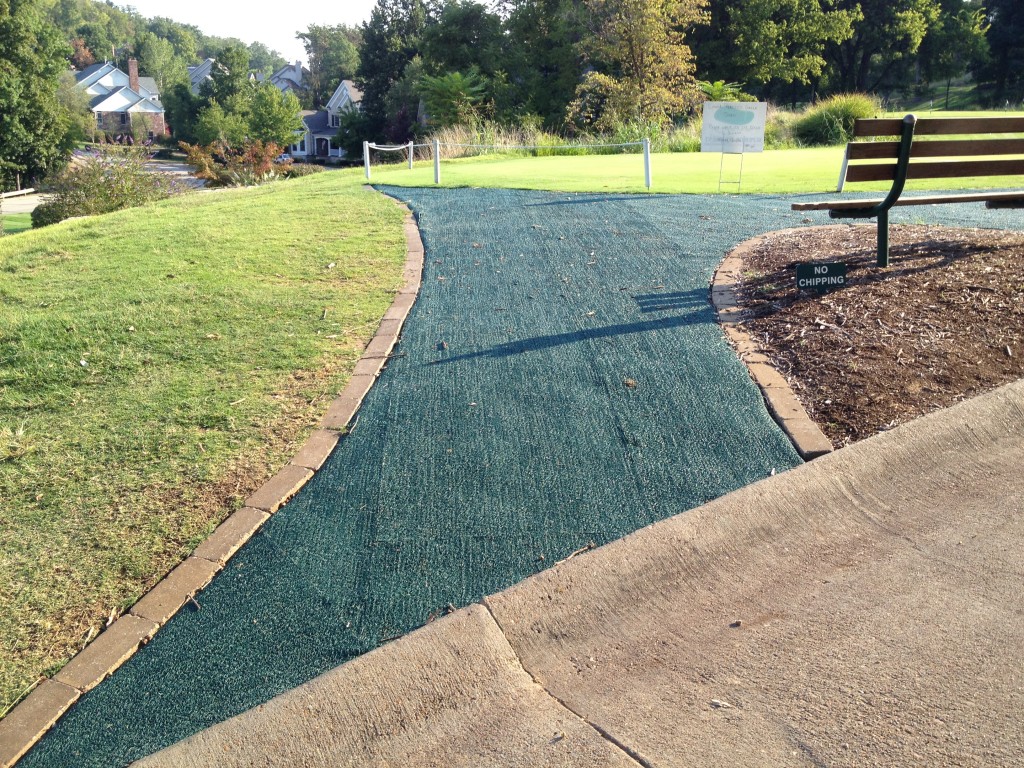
[(906, 157)]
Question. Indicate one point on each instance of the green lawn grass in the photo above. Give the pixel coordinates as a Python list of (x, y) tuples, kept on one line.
[(781, 172), (16, 222), (156, 365)]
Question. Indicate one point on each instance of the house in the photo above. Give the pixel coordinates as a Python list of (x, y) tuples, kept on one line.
[(314, 142), (199, 74), (123, 103), (291, 77)]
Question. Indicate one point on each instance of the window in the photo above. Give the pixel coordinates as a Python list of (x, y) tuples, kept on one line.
[(124, 118), (99, 119), (335, 121), (302, 146)]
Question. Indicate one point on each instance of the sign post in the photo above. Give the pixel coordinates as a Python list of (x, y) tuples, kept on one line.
[(733, 128)]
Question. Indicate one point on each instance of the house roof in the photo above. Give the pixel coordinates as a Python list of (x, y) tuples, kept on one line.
[(355, 93), (128, 101), (200, 72), (318, 122), (291, 75), (149, 84)]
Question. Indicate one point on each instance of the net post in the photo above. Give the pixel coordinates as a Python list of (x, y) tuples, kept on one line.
[(437, 161), (366, 158), (410, 155), (647, 162)]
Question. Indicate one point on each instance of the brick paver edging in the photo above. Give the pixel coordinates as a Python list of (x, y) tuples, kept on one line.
[(806, 436), (32, 717)]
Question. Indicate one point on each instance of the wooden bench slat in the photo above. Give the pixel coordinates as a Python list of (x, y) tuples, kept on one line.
[(997, 198), (935, 126), (885, 150), (937, 170)]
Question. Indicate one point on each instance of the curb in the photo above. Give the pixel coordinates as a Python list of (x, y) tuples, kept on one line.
[(32, 717), (806, 436)]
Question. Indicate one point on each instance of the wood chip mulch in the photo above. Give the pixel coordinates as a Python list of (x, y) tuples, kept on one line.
[(944, 322)]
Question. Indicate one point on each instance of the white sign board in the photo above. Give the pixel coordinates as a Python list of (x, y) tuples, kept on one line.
[(733, 126)]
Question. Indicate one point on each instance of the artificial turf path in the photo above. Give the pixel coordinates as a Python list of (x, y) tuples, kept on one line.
[(560, 381)]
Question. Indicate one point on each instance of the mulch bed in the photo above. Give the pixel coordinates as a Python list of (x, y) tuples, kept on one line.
[(944, 322)]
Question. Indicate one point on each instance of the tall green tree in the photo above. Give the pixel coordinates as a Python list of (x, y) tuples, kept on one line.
[(332, 58), (35, 136), (229, 76), (263, 59), (889, 34), (955, 44), (274, 115), (391, 38), (158, 60), (644, 69), (1006, 41), (784, 40), (465, 35), (543, 58)]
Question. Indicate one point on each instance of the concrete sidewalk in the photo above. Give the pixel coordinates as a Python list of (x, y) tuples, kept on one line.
[(864, 609)]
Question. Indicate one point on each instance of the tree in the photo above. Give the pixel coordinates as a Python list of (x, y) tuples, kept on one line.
[(544, 58), (274, 115), (644, 70), (34, 128), (263, 59), (401, 106), (216, 124), (1006, 42), (81, 56), (352, 132), (890, 32), (955, 44), (157, 59), (182, 108), (785, 40), (74, 102), (453, 98), (332, 58), (229, 76), (465, 35), (390, 40)]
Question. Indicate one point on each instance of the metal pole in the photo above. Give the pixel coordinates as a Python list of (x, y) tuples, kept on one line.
[(410, 155), (647, 162), (366, 158), (437, 161)]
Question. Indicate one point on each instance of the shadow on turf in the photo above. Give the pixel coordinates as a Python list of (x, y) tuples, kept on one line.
[(696, 301)]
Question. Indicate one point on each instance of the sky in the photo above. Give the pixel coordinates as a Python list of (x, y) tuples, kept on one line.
[(273, 24)]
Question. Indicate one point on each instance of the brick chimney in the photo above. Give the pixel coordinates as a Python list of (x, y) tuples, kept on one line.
[(133, 75)]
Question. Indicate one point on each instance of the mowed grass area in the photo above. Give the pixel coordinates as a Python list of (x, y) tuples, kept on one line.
[(15, 222), (156, 366), (775, 172)]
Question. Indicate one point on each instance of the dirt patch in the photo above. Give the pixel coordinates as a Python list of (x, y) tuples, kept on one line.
[(944, 322)]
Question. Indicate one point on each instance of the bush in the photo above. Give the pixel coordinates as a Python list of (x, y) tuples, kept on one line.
[(108, 178), (222, 165), (830, 122), (297, 170)]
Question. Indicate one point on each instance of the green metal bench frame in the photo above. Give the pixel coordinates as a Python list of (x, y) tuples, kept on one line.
[(952, 166)]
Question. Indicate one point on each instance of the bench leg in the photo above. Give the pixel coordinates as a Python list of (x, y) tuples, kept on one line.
[(883, 239)]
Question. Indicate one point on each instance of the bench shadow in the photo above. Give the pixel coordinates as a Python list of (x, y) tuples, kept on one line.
[(696, 302)]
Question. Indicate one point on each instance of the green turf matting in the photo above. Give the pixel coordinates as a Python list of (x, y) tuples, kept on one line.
[(561, 380)]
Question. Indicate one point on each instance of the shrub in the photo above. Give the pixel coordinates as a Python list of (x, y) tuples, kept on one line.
[(108, 178), (222, 165), (830, 122), (297, 170)]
